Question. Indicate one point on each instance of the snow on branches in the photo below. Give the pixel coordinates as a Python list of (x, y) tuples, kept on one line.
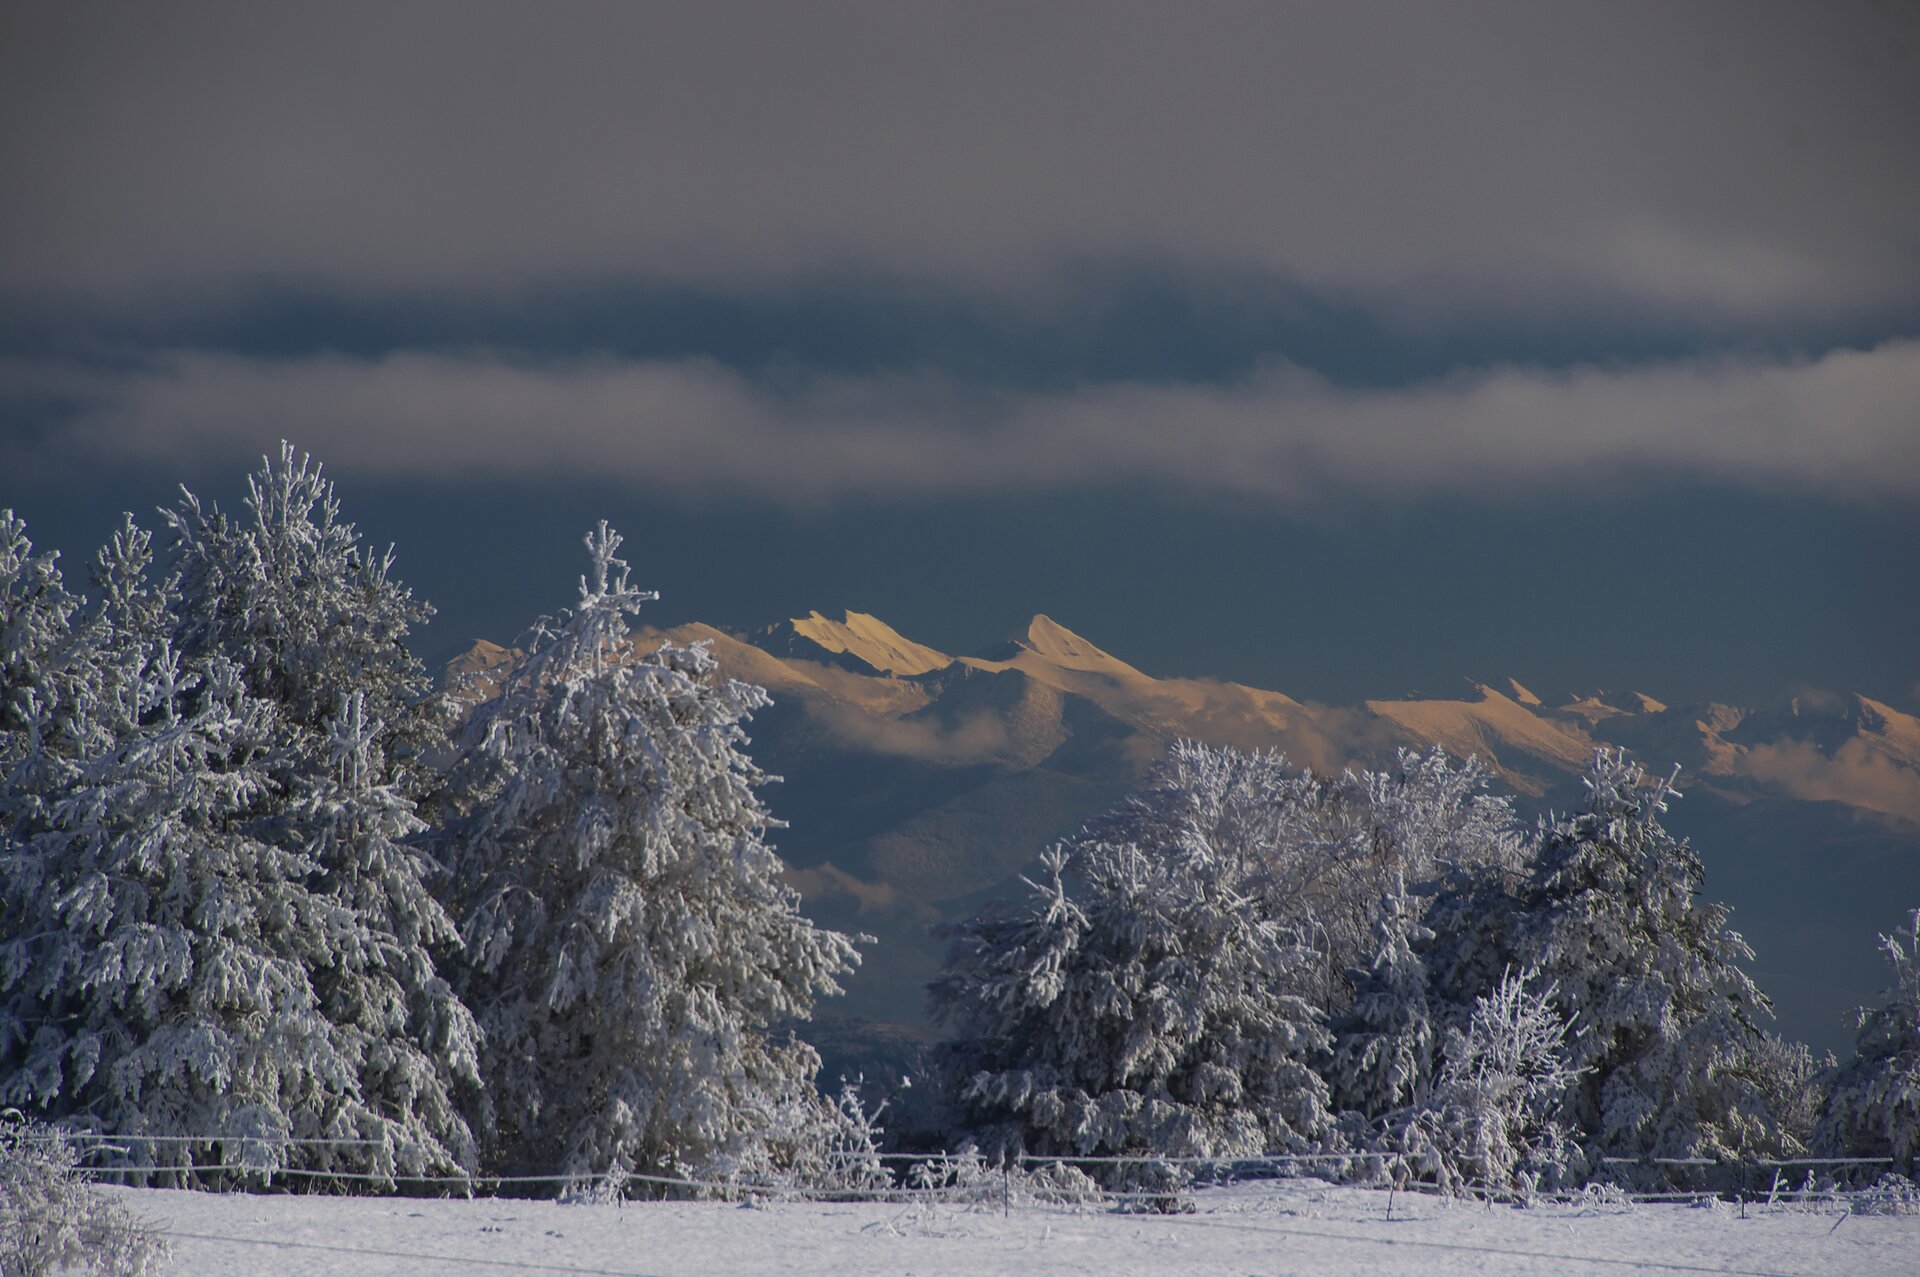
[(1141, 1001), (155, 974), (215, 921), (1669, 1020), (1168, 984), (630, 942), (1873, 1109), (309, 614), (52, 1218), (1491, 1123)]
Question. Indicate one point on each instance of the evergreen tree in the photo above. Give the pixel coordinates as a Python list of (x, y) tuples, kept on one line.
[(1141, 1002), (1385, 1045), (73, 694), (630, 942), (45, 671), (416, 1043), (309, 614), (153, 975), (318, 628), (156, 806), (1873, 1109), (1667, 1020)]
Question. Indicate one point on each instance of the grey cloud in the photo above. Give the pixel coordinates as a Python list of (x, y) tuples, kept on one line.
[(1714, 159), (1845, 424)]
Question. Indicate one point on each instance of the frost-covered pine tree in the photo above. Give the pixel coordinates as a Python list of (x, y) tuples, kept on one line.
[(47, 731), (1141, 1002), (69, 697), (318, 628), (154, 974), (630, 943), (1667, 1019), (416, 1043), (1873, 1108), (37, 614), (45, 671), (167, 829), (309, 613), (1385, 1045), (74, 680)]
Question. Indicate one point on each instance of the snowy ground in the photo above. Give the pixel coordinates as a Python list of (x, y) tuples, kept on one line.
[(1297, 1226)]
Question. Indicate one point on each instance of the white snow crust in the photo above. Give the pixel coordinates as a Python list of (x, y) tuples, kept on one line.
[(1276, 1227)]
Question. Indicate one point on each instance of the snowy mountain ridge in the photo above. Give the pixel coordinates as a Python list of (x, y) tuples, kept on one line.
[(918, 783), (1820, 747)]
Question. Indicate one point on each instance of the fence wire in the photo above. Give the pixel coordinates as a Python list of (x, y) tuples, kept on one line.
[(992, 1180)]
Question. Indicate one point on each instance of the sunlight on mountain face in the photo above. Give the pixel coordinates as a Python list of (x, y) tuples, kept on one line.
[(918, 783), (871, 640), (868, 687)]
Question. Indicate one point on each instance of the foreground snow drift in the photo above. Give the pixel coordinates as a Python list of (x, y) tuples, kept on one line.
[(1296, 1226)]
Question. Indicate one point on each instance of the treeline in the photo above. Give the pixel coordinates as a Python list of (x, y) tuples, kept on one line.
[(263, 882), (1244, 959)]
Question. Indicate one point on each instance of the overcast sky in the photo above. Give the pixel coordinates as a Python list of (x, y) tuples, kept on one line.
[(1346, 349)]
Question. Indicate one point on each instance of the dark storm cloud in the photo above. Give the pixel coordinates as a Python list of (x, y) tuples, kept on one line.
[(1709, 160), (1844, 424)]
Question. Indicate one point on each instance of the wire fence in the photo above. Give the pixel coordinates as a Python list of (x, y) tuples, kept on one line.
[(261, 1163), (1744, 1180)]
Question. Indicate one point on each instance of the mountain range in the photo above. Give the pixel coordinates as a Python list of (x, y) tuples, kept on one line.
[(919, 784)]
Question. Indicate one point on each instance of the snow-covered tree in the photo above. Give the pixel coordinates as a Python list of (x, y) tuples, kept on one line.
[(630, 941), (1350, 844), (154, 974), (1793, 1084), (416, 1043), (1873, 1109), (44, 669), (1315, 871), (190, 892), (126, 628), (318, 629), (1423, 815), (135, 610), (1668, 1021), (1330, 849), (310, 614), (1141, 1002), (36, 617), (1491, 1123), (53, 1219), (73, 694), (1385, 1045)]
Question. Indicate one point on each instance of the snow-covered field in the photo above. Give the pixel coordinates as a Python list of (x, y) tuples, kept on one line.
[(1295, 1226)]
